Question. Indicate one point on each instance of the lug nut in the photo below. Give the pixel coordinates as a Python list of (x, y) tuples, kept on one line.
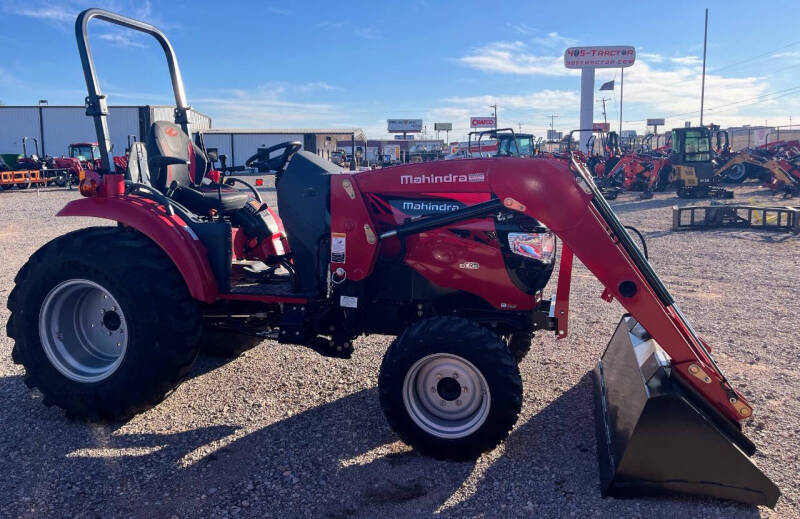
[(458, 402)]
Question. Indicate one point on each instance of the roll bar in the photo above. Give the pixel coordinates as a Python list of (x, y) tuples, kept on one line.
[(494, 132), (96, 102)]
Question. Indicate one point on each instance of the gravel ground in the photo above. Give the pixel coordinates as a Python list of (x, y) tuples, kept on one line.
[(284, 432)]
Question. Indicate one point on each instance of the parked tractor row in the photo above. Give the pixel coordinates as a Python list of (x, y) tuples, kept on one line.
[(28, 170)]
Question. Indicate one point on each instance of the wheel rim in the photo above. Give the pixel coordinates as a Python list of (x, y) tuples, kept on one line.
[(83, 330), (737, 172), (446, 396)]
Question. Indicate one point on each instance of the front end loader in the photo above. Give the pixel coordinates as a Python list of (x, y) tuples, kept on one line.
[(450, 257)]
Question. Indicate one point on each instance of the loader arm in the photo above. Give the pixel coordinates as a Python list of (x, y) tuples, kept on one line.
[(743, 158), (569, 203)]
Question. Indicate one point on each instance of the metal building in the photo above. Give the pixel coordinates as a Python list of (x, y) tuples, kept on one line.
[(56, 127), (238, 144)]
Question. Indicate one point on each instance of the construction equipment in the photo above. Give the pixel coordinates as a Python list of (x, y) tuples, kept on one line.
[(692, 166), (449, 256), (771, 218)]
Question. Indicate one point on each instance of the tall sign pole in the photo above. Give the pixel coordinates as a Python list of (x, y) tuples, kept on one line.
[(703, 87), (587, 59), (621, 85)]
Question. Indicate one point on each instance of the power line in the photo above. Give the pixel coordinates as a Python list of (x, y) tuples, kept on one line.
[(755, 57), (762, 97)]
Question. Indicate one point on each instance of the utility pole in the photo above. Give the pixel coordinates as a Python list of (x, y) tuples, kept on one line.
[(552, 121), (495, 114), (703, 87), (605, 120)]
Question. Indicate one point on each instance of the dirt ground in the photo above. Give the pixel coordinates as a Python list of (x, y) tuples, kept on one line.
[(283, 432)]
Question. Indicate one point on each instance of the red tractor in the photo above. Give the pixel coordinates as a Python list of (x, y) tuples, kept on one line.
[(450, 257)]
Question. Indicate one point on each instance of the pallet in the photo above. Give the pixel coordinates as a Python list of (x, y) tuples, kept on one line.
[(773, 218)]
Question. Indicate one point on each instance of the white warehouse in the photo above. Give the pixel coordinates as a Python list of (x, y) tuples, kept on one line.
[(239, 144), (56, 127)]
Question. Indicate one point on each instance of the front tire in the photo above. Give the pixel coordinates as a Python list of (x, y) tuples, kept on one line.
[(103, 323), (450, 388)]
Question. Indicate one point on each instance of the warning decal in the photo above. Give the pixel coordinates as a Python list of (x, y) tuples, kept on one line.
[(338, 247)]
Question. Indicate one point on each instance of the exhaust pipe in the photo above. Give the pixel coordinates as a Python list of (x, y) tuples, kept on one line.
[(654, 436)]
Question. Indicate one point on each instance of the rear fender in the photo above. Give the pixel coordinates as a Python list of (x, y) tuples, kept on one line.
[(171, 233)]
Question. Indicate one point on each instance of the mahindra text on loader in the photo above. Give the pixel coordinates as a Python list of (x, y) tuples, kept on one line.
[(107, 320)]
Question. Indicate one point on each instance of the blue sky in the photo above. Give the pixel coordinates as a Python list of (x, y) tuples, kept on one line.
[(335, 64)]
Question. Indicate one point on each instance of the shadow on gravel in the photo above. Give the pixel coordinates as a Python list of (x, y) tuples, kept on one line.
[(336, 460), (642, 205), (339, 459), (556, 454), (53, 466)]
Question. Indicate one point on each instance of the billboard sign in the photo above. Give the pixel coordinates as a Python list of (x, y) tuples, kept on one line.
[(443, 127), (618, 56), (482, 122), (404, 125), (404, 137), (602, 127), (553, 135), (655, 122)]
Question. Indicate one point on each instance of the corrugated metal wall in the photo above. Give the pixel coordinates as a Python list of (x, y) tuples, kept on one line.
[(66, 125), (197, 121), (16, 123), (244, 145)]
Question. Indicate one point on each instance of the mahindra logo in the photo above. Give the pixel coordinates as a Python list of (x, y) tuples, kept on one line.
[(172, 132), (438, 207), (450, 178)]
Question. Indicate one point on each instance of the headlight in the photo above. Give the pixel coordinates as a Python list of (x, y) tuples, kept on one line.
[(540, 246)]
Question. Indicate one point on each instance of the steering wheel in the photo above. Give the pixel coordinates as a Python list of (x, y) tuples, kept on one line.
[(262, 161)]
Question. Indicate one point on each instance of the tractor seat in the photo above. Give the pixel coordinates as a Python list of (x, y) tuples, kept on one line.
[(204, 199), (163, 162)]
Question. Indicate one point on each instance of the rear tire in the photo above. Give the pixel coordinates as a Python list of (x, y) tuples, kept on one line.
[(59, 323), (226, 344), (450, 388), (519, 344)]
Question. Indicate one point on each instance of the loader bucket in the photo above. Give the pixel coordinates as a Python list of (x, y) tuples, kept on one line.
[(655, 436)]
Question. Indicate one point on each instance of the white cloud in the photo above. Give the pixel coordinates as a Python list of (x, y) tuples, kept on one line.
[(656, 86), (368, 33), (521, 28), (266, 106), (59, 13), (687, 60), (122, 39), (280, 11), (554, 40), (512, 58), (651, 57), (328, 24)]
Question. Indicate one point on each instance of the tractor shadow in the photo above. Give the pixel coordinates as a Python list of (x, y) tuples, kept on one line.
[(339, 459), (553, 458), (627, 205)]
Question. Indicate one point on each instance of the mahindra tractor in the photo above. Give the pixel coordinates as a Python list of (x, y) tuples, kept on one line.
[(449, 257)]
